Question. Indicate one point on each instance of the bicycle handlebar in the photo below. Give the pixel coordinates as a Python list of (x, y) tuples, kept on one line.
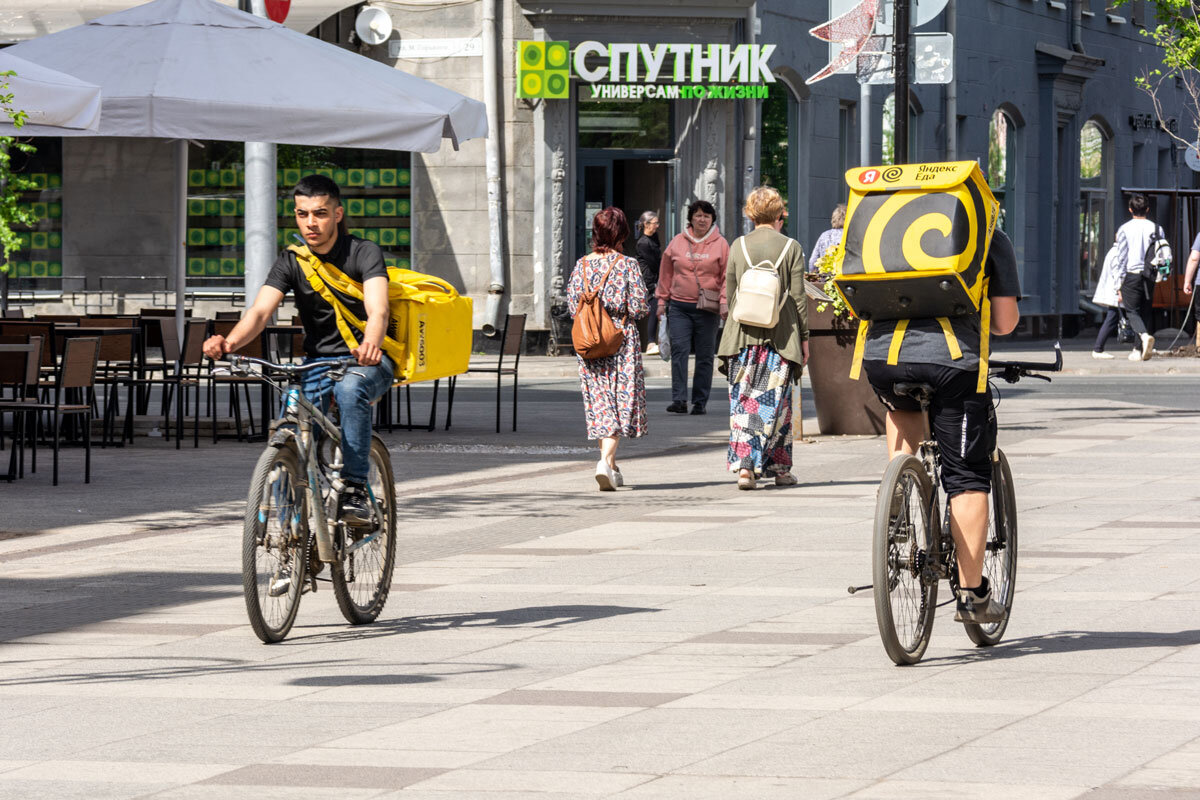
[(289, 369), (1013, 371)]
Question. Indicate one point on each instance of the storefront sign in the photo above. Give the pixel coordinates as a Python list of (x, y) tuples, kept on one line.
[(633, 71)]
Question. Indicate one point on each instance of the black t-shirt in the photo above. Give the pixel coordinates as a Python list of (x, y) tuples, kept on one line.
[(925, 342), (359, 259)]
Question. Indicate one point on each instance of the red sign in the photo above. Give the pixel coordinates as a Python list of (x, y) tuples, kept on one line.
[(278, 9), (869, 176)]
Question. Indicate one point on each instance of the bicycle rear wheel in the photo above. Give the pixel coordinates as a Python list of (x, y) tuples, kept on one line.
[(363, 576), (1000, 559), (905, 591), (275, 543)]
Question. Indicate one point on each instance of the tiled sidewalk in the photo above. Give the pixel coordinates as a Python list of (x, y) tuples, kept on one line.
[(678, 639)]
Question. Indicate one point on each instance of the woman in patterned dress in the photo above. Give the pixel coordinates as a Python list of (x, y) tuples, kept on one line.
[(763, 363), (614, 387)]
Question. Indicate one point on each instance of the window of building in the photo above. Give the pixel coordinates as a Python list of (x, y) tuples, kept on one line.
[(1002, 158), (889, 130), (1095, 201), (625, 124), (37, 261), (776, 159)]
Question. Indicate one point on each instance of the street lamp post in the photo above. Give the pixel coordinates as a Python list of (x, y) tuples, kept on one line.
[(900, 62)]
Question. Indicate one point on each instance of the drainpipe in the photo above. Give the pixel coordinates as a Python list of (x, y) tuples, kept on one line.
[(1077, 26), (952, 87), (749, 143), (261, 221), (495, 211)]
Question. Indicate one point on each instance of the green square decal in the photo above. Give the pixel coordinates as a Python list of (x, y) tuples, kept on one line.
[(40, 210), (229, 177), (355, 177), (403, 177), (339, 177), (195, 267), (54, 269), (212, 237), (55, 180), (289, 207), (241, 268), (195, 178), (54, 240), (212, 266), (387, 177), (228, 207), (195, 207), (404, 263), (229, 266), (354, 206), (39, 180), (389, 262), (41, 240), (195, 237), (23, 269), (373, 235), (228, 237), (24, 239), (371, 207), (403, 237), (403, 207), (387, 236), (212, 178), (543, 69), (371, 177), (39, 269), (212, 208), (241, 236), (241, 206), (279, 177), (54, 210), (387, 207), (291, 176), (359, 232), (326, 172)]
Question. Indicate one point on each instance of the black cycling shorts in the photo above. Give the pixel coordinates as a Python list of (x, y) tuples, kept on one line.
[(964, 421)]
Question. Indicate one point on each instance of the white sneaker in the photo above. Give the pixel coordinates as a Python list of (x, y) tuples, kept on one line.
[(605, 476), (1135, 354), (1098, 354), (620, 478), (1147, 346)]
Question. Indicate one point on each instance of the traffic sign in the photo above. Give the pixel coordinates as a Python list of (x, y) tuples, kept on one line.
[(1191, 156), (277, 10)]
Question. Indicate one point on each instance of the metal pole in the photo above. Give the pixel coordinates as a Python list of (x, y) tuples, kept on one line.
[(491, 100), (952, 88), (261, 192), (181, 173), (900, 59), (750, 139), (864, 124)]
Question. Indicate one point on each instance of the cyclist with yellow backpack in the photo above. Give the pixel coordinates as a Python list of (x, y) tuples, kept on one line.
[(354, 288), (920, 238)]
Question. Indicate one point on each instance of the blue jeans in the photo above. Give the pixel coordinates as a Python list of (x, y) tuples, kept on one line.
[(692, 331), (355, 392)]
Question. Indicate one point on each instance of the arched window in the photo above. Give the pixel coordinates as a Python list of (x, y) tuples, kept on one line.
[(889, 129), (1095, 197), (1001, 166), (777, 151)]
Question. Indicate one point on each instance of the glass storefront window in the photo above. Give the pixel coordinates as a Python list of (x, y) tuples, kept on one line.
[(1001, 159), (1095, 234), (37, 263), (631, 125), (775, 162), (376, 195)]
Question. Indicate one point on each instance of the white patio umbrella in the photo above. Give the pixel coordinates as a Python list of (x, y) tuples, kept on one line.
[(195, 69), (49, 98)]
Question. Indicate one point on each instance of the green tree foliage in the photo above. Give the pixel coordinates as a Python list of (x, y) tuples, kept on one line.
[(1176, 30), (12, 184), (774, 162)]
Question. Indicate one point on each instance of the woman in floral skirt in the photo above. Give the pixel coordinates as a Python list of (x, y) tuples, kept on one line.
[(614, 387), (762, 364)]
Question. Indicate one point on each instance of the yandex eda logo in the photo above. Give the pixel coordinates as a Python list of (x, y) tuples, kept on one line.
[(635, 71)]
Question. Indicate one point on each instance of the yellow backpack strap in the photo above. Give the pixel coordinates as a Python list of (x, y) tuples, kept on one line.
[(341, 314), (985, 336), (897, 339), (860, 344), (951, 339)]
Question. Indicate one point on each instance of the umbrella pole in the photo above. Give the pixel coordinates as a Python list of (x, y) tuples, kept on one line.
[(180, 234)]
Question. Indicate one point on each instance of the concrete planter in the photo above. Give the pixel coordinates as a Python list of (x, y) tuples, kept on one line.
[(843, 406)]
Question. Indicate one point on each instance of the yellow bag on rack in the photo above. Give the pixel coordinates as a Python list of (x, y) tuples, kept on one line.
[(430, 330)]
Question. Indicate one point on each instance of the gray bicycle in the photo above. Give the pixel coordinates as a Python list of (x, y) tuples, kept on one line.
[(292, 530)]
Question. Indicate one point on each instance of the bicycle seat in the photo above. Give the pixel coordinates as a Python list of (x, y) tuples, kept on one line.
[(921, 392)]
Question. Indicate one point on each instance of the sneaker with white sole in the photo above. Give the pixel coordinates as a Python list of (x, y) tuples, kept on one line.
[(978, 606), (605, 476), (1147, 346), (1101, 355), (1135, 354), (620, 479)]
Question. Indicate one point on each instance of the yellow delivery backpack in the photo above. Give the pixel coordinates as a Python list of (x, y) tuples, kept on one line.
[(429, 333), (915, 242)]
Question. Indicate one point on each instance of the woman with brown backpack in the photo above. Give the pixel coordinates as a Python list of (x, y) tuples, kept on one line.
[(606, 297)]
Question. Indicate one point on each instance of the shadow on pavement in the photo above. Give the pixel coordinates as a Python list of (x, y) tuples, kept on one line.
[(1075, 642)]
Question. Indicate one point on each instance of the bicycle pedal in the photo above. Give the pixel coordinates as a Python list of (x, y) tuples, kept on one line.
[(279, 587)]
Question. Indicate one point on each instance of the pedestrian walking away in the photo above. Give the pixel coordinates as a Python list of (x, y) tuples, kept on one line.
[(649, 256), (691, 294), (614, 386), (1190, 279), (829, 238), (320, 219), (1137, 278), (1107, 295), (763, 361)]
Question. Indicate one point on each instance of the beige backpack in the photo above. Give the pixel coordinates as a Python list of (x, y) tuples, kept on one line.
[(760, 294)]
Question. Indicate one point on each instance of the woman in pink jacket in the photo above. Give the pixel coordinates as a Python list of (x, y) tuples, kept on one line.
[(691, 292)]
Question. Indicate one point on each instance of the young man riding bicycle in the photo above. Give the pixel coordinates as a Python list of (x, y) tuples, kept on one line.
[(963, 418), (319, 216)]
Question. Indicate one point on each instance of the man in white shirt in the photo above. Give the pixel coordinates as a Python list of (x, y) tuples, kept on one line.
[(1137, 283)]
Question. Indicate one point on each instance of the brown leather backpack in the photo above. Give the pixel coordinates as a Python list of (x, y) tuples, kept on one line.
[(594, 335)]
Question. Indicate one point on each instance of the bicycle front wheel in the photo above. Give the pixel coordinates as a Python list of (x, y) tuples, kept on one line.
[(275, 543), (1000, 557), (362, 577), (905, 589)]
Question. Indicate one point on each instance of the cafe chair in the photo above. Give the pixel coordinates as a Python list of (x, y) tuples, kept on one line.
[(512, 341), (74, 393)]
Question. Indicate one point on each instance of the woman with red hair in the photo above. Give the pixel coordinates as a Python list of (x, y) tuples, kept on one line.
[(614, 387)]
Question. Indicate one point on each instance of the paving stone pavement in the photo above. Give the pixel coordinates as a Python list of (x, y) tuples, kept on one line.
[(676, 639)]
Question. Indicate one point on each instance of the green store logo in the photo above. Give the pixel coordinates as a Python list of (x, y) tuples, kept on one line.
[(544, 70)]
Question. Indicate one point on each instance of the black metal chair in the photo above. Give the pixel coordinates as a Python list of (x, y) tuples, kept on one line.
[(512, 341)]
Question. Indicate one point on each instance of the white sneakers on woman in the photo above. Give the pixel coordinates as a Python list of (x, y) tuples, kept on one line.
[(608, 479)]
